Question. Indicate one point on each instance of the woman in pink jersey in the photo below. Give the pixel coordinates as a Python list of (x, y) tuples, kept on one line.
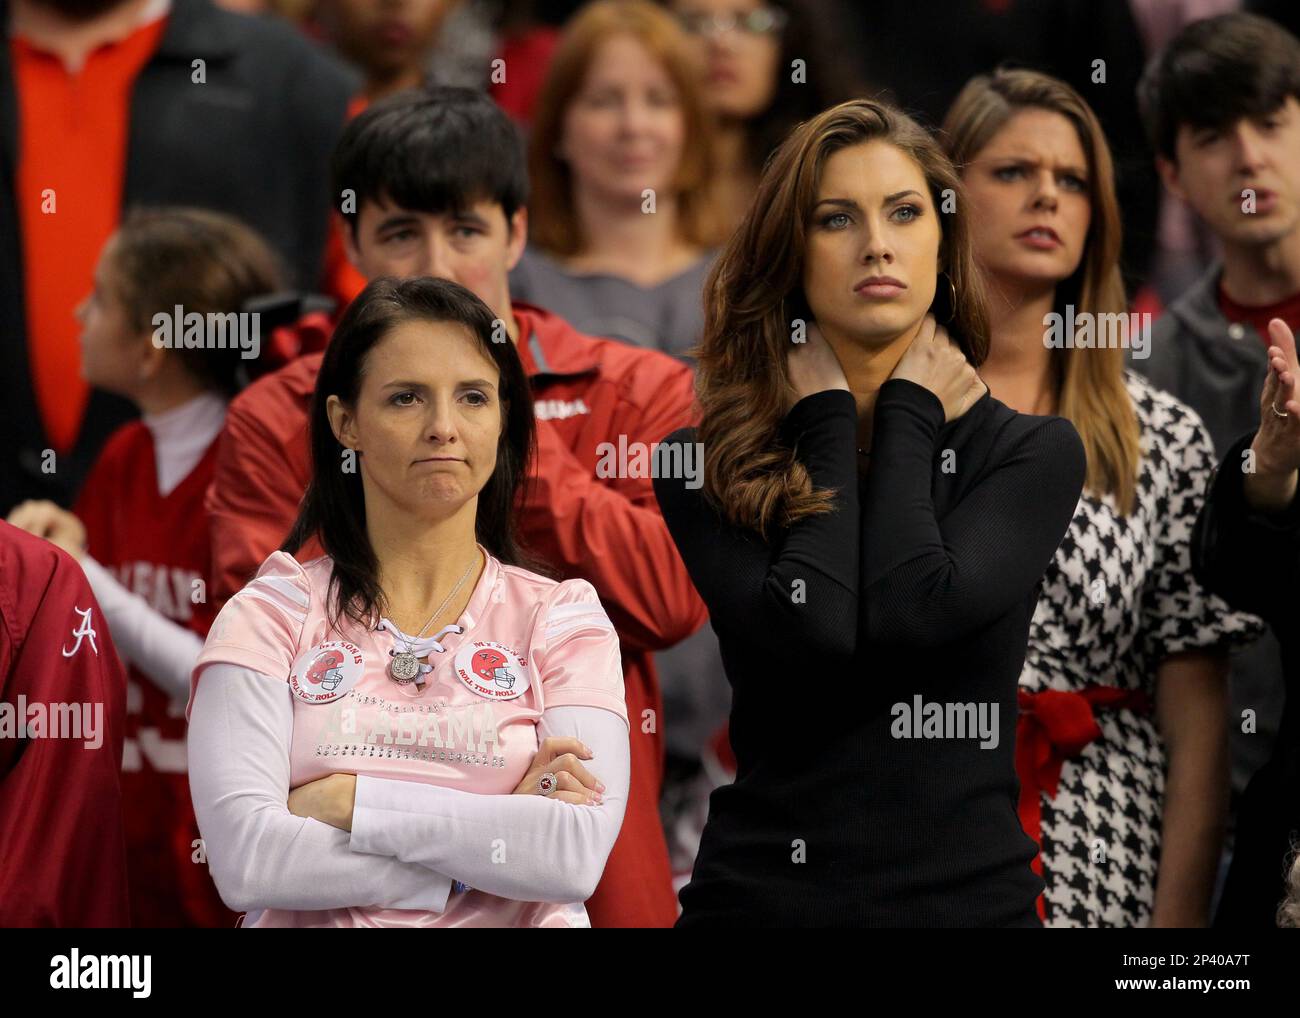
[(396, 733)]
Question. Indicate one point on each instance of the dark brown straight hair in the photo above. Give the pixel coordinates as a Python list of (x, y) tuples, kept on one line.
[(334, 507)]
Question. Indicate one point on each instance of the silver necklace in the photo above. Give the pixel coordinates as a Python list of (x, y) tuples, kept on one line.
[(405, 665)]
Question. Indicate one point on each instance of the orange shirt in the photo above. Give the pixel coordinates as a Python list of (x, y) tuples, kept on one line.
[(72, 139)]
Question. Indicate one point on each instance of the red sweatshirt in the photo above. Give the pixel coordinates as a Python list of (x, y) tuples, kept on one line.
[(62, 851), (605, 530)]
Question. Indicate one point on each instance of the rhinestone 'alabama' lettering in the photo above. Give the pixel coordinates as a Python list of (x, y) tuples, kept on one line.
[(471, 728)]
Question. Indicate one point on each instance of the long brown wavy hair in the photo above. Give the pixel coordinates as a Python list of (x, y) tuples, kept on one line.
[(1091, 380), (754, 294)]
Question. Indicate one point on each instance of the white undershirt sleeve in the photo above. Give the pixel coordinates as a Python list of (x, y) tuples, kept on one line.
[(261, 855), (522, 847), (164, 650)]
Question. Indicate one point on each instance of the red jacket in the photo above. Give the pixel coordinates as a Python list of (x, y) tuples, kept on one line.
[(62, 850), (605, 530)]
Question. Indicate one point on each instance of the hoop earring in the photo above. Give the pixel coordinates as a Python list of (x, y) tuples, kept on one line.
[(952, 299)]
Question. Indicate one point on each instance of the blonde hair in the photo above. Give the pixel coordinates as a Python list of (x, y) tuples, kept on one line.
[(553, 221), (1093, 396)]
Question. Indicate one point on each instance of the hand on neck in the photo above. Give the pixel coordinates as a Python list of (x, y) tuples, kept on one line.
[(867, 366)]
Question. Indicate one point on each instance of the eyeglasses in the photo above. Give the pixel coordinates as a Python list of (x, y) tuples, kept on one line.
[(762, 21)]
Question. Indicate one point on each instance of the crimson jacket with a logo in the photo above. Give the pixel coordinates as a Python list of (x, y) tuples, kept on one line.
[(62, 851)]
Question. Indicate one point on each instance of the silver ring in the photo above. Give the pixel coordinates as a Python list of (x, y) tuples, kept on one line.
[(547, 784), (1276, 412)]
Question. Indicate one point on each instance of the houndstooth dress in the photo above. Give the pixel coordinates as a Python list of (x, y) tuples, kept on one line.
[(1117, 599)]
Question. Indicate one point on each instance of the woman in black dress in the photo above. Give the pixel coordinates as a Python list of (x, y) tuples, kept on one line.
[(869, 538)]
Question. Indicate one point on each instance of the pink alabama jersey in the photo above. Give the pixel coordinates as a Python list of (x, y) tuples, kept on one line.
[(529, 643)]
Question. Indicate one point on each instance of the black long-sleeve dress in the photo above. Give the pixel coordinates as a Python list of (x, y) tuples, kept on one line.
[(844, 636), (1252, 560)]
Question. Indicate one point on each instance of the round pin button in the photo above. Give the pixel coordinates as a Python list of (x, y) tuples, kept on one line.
[(326, 672), (492, 670)]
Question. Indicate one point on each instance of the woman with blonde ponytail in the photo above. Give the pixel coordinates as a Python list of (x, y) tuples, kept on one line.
[(1121, 745)]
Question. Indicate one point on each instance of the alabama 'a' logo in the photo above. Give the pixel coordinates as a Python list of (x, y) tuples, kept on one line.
[(326, 672), (492, 670), (81, 632)]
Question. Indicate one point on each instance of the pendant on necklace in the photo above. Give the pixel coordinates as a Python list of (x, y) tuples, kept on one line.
[(404, 666)]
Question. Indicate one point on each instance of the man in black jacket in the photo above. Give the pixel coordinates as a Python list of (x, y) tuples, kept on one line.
[(227, 112), (1246, 548)]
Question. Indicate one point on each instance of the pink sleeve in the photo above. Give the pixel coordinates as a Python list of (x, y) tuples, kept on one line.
[(259, 627), (580, 665)]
